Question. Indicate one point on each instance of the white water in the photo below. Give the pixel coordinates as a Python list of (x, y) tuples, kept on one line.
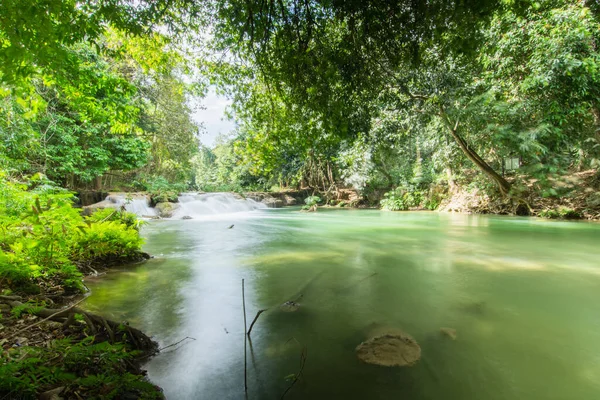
[(211, 204), (192, 205), (139, 205)]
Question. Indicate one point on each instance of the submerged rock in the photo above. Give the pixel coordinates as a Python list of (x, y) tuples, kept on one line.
[(186, 217), (389, 350), (289, 306), (166, 209), (476, 308), (449, 332)]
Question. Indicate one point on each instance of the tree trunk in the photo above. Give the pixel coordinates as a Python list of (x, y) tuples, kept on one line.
[(596, 113), (502, 183)]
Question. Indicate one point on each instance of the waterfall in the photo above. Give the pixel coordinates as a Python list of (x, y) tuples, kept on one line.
[(198, 205), (137, 204), (192, 205)]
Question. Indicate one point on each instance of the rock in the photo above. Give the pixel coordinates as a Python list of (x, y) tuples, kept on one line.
[(186, 217), (390, 350), (89, 210), (238, 196), (449, 332), (4, 308), (289, 306), (593, 200), (272, 202), (256, 196), (89, 197), (166, 209), (289, 200), (312, 208), (52, 394)]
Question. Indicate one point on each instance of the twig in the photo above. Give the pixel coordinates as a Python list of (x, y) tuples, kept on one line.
[(254, 320), (245, 341), (45, 319), (176, 343), (303, 356)]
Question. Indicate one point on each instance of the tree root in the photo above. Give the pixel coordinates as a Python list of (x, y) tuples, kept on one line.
[(97, 325)]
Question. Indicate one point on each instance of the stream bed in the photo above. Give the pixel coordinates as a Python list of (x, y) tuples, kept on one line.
[(523, 295)]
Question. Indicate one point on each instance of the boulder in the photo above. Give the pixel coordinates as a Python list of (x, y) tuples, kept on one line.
[(289, 200), (390, 350), (272, 202), (89, 210), (166, 209), (256, 196)]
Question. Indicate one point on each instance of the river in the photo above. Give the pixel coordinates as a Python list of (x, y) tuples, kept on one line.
[(523, 295)]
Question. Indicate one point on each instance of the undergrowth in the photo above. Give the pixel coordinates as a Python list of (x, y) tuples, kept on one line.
[(85, 369), (45, 242)]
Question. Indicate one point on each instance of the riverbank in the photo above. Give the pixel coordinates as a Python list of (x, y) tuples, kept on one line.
[(52, 352), (572, 196), (52, 349), (48, 345)]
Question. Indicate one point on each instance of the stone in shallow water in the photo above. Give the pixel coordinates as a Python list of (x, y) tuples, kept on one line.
[(449, 332), (389, 350), (166, 209), (289, 306)]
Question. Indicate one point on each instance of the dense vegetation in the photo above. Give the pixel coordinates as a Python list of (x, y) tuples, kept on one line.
[(499, 100), (411, 104)]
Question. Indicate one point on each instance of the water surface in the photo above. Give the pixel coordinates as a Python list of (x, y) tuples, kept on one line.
[(522, 294)]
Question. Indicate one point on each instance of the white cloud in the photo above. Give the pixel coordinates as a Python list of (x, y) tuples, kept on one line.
[(213, 117)]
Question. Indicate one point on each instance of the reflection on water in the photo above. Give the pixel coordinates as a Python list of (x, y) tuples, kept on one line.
[(522, 294)]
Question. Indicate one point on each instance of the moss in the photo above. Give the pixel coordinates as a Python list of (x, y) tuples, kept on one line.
[(561, 213)]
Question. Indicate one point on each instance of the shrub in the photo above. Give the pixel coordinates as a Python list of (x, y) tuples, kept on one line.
[(97, 370), (312, 200), (108, 240), (160, 190), (44, 238), (109, 214), (401, 199)]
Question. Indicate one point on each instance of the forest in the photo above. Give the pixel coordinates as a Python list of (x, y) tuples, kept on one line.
[(485, 107)]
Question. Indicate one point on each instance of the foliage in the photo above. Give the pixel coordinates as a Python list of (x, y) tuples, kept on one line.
[(312, 200), (401, 199), (561, 212), (111, 103), (90, 367), (123, 217), (161, 190), (44, 238)]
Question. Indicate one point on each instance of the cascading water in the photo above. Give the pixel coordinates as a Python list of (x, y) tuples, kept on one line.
[(137, 204), (200, 205), (191, 205)]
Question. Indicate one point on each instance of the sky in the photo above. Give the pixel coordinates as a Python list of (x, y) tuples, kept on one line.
[(213, 118)]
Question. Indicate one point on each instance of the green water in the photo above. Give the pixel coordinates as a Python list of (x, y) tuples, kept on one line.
[(522, 294)]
